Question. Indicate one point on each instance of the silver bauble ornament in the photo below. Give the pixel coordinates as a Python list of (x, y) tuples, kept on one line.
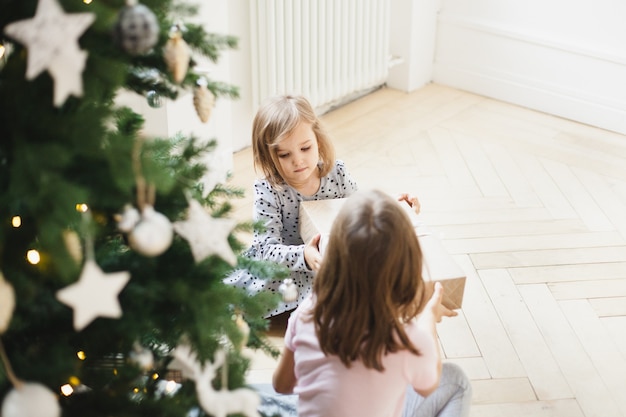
[(153, 234), (31, 399), (154, 99), (137, 29)]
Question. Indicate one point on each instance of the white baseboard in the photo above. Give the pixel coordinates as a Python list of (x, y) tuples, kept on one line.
[(577, 82)]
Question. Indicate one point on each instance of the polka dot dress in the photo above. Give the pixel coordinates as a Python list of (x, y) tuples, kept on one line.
[(281, 242)]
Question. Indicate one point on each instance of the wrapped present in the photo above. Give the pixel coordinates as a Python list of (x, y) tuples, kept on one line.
[(316, 217)]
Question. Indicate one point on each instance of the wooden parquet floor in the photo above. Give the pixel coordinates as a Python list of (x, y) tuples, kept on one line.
[(533, 208)]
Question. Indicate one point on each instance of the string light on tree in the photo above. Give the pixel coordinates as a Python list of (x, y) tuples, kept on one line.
[(33, 256)]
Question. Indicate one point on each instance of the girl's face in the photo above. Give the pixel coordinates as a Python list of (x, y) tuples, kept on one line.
[(298, 155)]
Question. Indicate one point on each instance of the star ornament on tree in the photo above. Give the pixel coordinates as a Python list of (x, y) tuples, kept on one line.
[(206, 235), (51, 37), (94, 294)]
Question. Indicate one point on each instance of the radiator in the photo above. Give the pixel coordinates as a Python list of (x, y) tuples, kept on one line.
[(330, 51)]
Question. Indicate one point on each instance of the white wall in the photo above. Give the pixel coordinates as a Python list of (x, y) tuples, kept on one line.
[(412, 43), (230, 122), (564, 57)]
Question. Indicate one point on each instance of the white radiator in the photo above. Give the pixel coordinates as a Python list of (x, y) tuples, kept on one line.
[(330, 51)]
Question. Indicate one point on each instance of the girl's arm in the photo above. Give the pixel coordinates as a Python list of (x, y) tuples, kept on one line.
[(269, 245), (432, 314), (284, 378)]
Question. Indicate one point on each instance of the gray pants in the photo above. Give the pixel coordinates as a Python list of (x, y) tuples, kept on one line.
[(451, 399)]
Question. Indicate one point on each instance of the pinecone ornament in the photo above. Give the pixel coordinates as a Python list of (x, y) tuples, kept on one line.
[(203, 101), (176, 54)]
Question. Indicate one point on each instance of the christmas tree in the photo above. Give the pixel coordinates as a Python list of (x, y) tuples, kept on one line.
[(112, 251)]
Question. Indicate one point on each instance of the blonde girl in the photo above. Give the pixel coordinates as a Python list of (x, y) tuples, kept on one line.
[(297, 160), (365, 343)]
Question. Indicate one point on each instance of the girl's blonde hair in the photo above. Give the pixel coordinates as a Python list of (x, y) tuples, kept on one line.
[(277, 119), (370, 282)]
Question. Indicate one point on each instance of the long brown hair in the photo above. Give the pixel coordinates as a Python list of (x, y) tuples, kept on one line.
[(370, 282), (277, 119)]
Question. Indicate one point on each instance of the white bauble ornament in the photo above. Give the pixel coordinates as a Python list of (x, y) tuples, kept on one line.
[(141, 357), (203, 101), (128, 219), (176, 54), (153, 234), (31, 399), (288, 290), (137, 29), (7, 303)]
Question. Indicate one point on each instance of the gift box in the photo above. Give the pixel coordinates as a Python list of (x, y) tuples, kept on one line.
[(318, 216)]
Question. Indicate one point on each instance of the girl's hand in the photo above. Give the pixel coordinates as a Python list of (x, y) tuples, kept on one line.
[(412, 201), (312, 254), (435, 307)]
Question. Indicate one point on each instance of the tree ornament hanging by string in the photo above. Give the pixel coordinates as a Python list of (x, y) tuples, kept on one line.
[(51, 37), (154, 99), (7, 303), (95, 292), (288, 290), (137, 28), (128, 219), (150, 233), (26, 399), (244, 329), (203, 100), (153, 234), (176, 54), (30, 399), (73, 245), (217, 403), (141, 357), (206, 235)]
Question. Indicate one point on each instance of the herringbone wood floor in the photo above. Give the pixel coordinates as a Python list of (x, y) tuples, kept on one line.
[(533, 208)]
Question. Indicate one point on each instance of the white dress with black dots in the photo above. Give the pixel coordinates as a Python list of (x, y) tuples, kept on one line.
[(281, 242)]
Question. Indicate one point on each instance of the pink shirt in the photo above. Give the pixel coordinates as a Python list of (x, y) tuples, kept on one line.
[(326, 388)]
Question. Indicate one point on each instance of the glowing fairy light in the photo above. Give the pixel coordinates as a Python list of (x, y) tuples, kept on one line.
[(67, 390), (155, 376), (74, 381), (33, 257), (2, 51), (170, 387), (81, 355), (87, 1), (82, 207), (16, 221)]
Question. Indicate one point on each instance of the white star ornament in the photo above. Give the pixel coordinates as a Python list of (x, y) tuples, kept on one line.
[(51, 37), (94, 294), (206, 235)]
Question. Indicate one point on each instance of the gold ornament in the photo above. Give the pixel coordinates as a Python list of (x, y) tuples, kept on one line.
[(176, 54), (203, 101), (73, 245)]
